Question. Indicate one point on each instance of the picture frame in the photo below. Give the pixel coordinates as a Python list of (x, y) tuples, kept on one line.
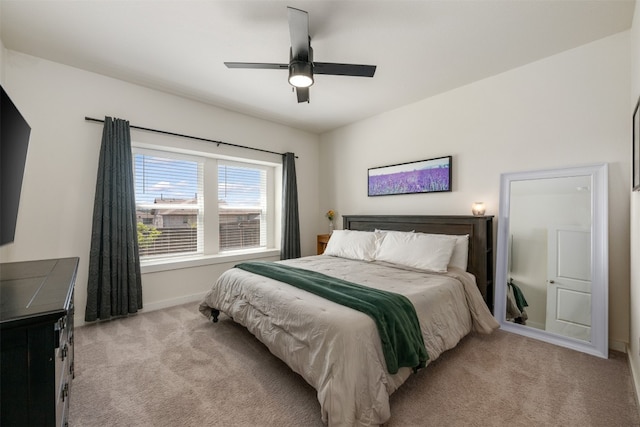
[(422, 176), (635, 184)]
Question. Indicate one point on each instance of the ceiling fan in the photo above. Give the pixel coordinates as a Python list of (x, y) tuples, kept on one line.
[(301, 65)]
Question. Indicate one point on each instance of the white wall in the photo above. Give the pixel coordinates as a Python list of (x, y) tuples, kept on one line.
[(566, 110), (56, 204), (634, 348)]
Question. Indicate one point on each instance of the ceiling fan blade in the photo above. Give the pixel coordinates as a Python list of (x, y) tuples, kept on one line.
[(257, 65), (303, 94), (299, 33), (344, 69)]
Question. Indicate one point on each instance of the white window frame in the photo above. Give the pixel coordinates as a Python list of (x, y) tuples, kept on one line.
[(208, 240)]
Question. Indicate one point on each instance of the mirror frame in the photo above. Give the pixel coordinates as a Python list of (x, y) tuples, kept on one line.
[(599, 344)]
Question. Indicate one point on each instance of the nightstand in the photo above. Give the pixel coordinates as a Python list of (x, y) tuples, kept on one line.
[(323, 239)]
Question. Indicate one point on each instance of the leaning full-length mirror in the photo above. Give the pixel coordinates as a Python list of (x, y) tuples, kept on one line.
[(552, 257)]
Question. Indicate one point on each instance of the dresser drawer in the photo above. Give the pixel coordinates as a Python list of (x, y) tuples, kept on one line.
[(63, 366), (61, 331), (62, 370), (62, 404)]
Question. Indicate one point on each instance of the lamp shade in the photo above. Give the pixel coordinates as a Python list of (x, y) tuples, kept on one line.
[(478, 208), (300, 74)]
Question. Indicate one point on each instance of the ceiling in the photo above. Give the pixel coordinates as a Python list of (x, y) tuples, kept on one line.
[(421, 48)]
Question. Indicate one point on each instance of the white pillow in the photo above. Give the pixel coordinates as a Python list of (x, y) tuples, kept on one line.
[(430, 252), (360, 245), (460, 255)]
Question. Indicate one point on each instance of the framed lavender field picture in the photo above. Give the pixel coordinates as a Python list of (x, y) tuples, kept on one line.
[(424, 176)]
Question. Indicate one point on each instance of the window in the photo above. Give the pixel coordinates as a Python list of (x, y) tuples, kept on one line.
[(242, 206), (169, 202), (188, 205)]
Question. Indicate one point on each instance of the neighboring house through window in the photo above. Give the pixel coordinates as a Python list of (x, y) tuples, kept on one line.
[(198, 205)]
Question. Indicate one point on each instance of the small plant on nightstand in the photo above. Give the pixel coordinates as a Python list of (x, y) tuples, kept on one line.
[(330, 215)]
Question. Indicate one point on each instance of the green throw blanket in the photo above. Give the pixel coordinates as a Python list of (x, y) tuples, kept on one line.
[(394, 315), (521, 302)]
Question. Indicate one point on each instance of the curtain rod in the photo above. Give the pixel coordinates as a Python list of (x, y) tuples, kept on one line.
[(91, 119)]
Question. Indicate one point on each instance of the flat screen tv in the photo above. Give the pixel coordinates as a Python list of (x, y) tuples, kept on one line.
[(14, 140)]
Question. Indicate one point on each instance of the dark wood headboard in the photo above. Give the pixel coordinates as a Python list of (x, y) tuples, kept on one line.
[(479, 229)]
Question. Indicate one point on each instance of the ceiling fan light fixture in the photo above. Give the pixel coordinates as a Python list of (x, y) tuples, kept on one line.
[(300, 74)]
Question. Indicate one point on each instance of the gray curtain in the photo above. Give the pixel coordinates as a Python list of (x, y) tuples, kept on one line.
[(290, 244), (114, 287)]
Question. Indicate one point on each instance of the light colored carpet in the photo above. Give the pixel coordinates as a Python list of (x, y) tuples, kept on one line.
[(172, 367)]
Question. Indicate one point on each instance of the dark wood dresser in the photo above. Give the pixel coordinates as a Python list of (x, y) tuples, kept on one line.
[(36, 341)]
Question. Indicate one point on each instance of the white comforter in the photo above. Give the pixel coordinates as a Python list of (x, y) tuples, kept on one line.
[(337, 349)]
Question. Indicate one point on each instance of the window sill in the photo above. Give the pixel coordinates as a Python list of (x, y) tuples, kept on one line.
[(157, 265)]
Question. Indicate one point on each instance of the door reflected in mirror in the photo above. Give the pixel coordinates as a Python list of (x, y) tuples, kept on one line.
[(549, 269)]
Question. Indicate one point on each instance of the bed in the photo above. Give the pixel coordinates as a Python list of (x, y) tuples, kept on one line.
[(337, 349)]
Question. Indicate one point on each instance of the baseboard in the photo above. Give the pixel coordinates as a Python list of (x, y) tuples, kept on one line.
[(536, 325), (634, 377), (618, 346), (79, 321), (173, 301)]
